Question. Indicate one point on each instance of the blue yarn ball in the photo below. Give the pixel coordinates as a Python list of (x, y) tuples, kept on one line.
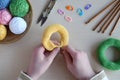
[(4, 3)]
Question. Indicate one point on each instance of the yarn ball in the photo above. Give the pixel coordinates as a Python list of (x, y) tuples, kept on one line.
[(17, 25), (19, 8), (3, 32), (5, 17), (4, 3)]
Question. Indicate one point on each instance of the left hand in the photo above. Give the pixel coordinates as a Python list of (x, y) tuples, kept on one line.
[(41, 60), (78, 63)]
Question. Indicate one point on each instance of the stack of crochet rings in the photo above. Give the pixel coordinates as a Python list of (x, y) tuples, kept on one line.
[(15, 19)]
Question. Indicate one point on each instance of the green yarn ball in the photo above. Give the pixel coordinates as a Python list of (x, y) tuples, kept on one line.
[(19, 8)]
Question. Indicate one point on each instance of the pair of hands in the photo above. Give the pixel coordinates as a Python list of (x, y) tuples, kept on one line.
[(77, 62)]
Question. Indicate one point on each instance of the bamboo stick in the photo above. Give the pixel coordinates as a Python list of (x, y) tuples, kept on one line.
[(115, 1), (109, 13), (110, 20), (115, 25)]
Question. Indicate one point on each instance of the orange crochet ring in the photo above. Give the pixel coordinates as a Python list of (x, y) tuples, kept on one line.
[(69, 8)]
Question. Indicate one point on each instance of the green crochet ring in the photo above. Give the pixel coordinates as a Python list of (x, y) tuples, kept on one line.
[(101, 54)]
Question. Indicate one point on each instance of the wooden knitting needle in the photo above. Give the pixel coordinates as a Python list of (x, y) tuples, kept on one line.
[(109, 13), (115, 25), (111, 19), (101, 11)]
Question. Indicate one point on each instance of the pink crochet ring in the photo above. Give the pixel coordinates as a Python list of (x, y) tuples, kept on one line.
[(68, 18)]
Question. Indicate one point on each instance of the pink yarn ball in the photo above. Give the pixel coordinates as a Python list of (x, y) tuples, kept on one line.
[(5, 17)]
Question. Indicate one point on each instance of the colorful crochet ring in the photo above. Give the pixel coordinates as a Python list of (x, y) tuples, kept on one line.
[(88, 6), (48, 44), (68, 18), (101, 54), (80, 12), (69, 8), (60, 11)]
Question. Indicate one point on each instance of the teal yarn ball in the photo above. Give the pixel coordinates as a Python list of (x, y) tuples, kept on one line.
[(19, 8), (4, 4)]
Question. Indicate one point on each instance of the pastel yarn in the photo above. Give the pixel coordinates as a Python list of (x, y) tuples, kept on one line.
[(111, 42), (4, 3), (17, 25), (5, 17), (19, 8), (3, 32), (48, 44)]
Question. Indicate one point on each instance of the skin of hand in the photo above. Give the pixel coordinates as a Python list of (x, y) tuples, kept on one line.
[(40, 62), (78, 63)]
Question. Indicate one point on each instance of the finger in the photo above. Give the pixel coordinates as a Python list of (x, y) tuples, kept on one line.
[(54, 53), (61, 50), (70, 50), (67, 57), (39, 51), (56, 42)]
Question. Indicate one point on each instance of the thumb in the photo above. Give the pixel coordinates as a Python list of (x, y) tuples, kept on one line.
[(54, 53)]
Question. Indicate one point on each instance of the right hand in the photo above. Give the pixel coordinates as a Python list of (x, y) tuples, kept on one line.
[(78, 63)]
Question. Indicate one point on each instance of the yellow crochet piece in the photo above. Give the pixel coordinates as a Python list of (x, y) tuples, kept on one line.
[(3, 32), (48, 44)]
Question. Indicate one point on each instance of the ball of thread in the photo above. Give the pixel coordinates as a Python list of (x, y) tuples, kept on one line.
[(17, 25), (19, 8), (5, 17), (4, 3), (3, 32)]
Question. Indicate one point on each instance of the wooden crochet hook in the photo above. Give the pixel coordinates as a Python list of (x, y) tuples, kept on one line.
[(115, 25), (115, 1), (110, 20), (109, 13)]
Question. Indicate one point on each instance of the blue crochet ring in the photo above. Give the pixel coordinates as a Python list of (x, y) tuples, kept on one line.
[(4, 3)]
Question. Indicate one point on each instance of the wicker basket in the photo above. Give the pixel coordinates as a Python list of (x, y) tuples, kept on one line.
[(13, 37)]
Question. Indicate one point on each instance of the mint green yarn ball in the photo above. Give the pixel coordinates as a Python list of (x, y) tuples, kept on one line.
[(19, 8)]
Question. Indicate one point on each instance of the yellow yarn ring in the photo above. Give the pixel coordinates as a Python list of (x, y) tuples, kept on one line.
[(47, 43)]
